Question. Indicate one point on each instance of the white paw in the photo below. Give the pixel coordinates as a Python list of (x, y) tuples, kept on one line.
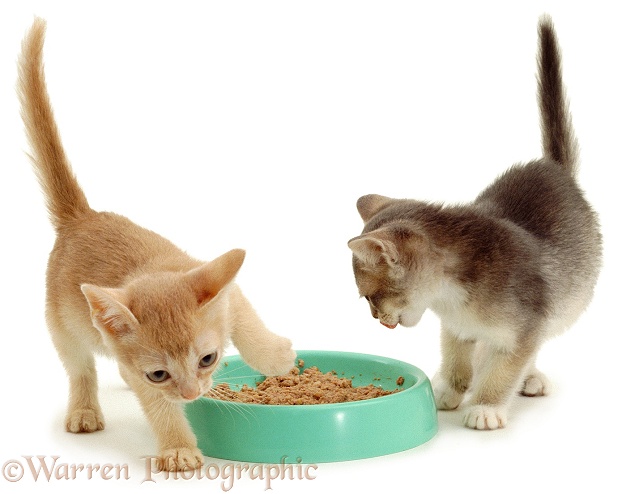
[(482, 417), (445, 396), (536, 384), (277, 358)]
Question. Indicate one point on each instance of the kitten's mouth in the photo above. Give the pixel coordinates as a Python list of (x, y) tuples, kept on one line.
[(390, 326), (182, 400)]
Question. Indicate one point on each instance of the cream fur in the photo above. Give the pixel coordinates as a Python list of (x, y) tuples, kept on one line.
[(120, 290)]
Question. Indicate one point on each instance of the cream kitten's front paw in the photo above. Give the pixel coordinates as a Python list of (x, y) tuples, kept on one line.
[(445, 396), (180, 459), (84, 420), (278, 357), (483, 417)]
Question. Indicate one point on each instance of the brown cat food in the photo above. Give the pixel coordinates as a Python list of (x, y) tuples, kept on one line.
[(311, 387)]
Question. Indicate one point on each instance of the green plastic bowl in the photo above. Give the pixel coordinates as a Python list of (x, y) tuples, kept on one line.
[(318, 433)]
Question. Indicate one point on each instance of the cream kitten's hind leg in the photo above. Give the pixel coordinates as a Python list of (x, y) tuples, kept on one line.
[(263, 350), (83, 412)]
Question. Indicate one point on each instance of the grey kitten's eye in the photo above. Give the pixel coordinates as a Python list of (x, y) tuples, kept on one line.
[(158, 376), (208, 360)]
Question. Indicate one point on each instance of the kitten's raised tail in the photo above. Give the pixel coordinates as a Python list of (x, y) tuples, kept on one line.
[(558, 139), (65, 199)]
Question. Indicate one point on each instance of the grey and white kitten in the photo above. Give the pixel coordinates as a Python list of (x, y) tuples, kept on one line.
[(503, 273)]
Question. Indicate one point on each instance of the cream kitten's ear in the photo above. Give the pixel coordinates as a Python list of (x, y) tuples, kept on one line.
[(370, 204), (213, 276), (108, 312), (373, 247)]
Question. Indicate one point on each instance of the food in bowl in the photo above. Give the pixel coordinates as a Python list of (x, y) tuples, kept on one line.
[(311, 387)]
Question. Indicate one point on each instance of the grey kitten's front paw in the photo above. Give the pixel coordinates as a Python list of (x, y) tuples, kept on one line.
[(277, 358), (485, 417), (445, 396)]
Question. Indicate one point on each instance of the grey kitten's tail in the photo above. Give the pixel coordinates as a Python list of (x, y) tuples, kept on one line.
[(65, 199), (558, 139)]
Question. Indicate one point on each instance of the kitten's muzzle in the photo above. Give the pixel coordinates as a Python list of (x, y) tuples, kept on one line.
[(189, 392), (375, 314), (387, 325)]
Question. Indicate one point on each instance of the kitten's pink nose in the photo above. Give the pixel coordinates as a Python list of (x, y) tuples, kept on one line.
[(390, 326), (191, 396), (190, 392)]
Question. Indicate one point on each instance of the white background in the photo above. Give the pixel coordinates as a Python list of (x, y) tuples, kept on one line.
[(258, 125)]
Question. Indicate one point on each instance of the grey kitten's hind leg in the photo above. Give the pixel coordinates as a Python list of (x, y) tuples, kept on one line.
[(501, 375), (535, 383)]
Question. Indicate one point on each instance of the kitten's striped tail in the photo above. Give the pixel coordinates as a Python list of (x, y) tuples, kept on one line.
[(558, 139), (65, 199)]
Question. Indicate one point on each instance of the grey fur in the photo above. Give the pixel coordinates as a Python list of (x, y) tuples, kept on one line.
[(515, 266)]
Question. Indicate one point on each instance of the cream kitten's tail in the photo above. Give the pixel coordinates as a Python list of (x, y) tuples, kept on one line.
[(65, 199), (558, 139)]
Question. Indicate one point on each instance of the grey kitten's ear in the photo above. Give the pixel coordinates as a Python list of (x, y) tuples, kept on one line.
[(370, 204), (209, 279), (108, 310), (371, 248)]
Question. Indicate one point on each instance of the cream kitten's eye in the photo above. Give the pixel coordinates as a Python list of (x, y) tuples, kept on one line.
[(208, 360), (158, 376)]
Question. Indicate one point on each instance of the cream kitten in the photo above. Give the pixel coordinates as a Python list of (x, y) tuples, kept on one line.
[(514, 267), (118, 289)]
